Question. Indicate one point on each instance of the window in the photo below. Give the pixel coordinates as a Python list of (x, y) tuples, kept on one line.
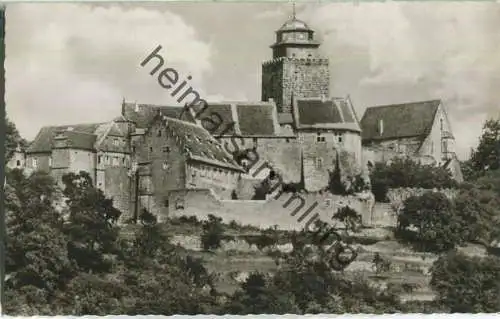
[(166, 149), (151, 149), (441, 124), (99, 159), (319, 163), (116, 142), (287, 140), (18, 163), (133, 149), (328, 202), (159, 133), (50, 161), (123, 160), (320, 138), (35, 163), (165, 203), (255, 140)]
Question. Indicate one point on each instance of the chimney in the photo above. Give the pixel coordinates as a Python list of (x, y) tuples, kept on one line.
[(381, 127), (136, 107)]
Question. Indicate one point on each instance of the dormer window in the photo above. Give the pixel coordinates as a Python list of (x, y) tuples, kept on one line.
[(116, 142)]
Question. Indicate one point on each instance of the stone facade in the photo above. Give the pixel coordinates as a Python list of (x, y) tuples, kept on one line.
[(284, 78)]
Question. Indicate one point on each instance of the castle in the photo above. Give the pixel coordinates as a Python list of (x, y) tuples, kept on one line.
[(297, 130)]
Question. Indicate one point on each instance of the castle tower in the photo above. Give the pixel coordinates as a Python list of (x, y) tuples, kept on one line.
[(297, 69)]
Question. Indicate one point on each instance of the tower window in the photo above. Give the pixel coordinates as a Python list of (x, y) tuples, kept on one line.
[(319, 163)]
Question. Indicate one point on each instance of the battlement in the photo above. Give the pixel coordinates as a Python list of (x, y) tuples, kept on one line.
[(316, 61)]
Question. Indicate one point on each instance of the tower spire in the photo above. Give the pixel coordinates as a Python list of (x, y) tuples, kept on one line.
[(293, 10)]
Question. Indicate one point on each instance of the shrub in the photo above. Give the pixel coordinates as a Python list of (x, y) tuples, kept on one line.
[(467, 284), (212, 235), (436, 225), (408, 173)]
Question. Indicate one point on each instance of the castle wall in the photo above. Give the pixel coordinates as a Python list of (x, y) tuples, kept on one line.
[(81, 160), (222, 181), (18, 160), (284, 212), (42, 161), (117, 187)]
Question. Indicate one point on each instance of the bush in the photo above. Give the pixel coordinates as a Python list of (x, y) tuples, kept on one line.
[(467, 284), (437, 227), (408, 173), (213, 233)]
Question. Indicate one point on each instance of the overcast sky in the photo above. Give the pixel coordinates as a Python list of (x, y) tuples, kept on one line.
[(75, 63)]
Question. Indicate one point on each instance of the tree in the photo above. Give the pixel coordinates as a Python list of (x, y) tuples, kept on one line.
[(37, 261), (437, 226), (12, 139), (487, 155), (213, 232), (408, 173), (92, 223), (467, 284)]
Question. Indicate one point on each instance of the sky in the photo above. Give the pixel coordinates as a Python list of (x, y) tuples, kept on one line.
[(75, 63)]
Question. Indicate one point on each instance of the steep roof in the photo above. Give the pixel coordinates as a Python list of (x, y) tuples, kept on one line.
[(334, 113), (198, 143), (44, 140), (413, 119), (143, 114), (250, 118), (80, 140)]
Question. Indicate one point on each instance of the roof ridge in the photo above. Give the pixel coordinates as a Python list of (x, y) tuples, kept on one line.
[(403, 103)]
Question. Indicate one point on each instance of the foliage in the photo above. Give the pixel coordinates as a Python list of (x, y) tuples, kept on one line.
[(437, 227), (213, 233), (12, 139), (92, 229), (380, 264), (350, 217), (408, 173), (487, 155), (467, 284)]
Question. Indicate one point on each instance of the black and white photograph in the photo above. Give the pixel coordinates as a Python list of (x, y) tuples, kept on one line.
[(251, 158)]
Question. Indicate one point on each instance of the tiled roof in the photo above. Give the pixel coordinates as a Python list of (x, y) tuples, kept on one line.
[(80, 140), (256, 119), (199, 144), (224, 111), (399, 120), (147, 113), (44, 140), (318, 113)]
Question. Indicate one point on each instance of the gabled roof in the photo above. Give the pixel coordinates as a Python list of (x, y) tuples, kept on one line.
[(143, 114), (399, 120), (251, 118), (43, 142), (80, 140), (198, 143), (315, 113)]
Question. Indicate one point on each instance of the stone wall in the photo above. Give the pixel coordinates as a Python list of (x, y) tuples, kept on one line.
[(303, 77), (288, 211), (117, 187)]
